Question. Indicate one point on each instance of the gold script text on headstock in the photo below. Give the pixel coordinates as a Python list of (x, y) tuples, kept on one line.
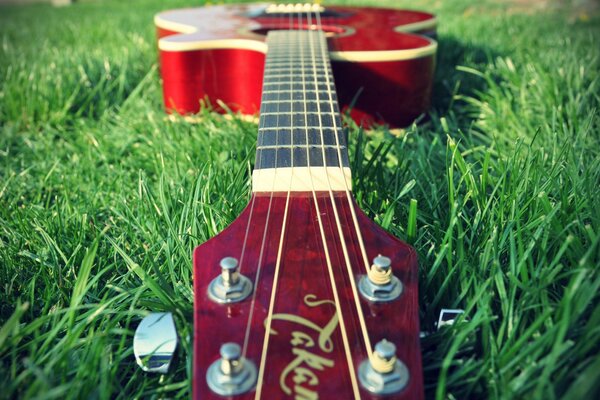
[(303, 341)]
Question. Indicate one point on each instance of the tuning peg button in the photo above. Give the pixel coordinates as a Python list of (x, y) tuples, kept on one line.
[(232, 374), (229, 271), (231, 354), (385, 350), (230, 286), (383, 263), (383, 373), (380, 284)]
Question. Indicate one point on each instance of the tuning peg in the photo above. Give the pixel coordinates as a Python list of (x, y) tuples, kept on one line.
[(230, 286), (380, 284), (383, 373), (231, 374), (154, 342)]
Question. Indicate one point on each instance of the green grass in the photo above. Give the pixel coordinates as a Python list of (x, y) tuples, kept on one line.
[(102, 200)]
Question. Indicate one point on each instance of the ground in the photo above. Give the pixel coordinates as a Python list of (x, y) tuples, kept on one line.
[(102, 199)]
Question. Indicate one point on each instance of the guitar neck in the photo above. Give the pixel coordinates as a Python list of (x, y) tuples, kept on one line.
[(301, 145)]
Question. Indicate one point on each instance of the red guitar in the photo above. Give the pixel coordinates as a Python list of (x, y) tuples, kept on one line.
[(302, 296)]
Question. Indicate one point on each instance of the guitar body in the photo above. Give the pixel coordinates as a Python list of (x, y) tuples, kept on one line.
[(383, 59)]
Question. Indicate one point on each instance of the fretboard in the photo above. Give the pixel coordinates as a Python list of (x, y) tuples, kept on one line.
[(300, 130)]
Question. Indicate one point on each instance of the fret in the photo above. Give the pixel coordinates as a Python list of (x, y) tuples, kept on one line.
[(320, 146), (283, 120), (303, 157), (294, 76), (304, 72), (296, 91), (274, 78), (288, 101), (308, 79), (308, 86), (296, 106), (291, 62), (310, 113), (299, 137), (297, 69), (299, 84), (312, 127), (294, 95), (281, 50), (310, 96), (296, 58)]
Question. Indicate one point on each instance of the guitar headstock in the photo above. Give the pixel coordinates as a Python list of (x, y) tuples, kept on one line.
[(294, 266)]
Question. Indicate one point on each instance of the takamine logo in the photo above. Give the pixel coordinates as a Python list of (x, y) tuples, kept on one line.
[(301, 373)]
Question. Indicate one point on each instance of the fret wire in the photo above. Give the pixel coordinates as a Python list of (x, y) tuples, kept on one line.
[(288, 113), (311, 83), (272, 70), (278, 76), (290, 79), (315, 145), (269, 68), (293, 62), (282, 86), (295, 101), (291, 91), (277, 128)]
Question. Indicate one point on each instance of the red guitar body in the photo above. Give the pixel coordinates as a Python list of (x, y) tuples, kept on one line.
[(383, 60)]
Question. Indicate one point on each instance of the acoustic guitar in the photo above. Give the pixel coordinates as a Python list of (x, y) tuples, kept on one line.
[(302, 296)]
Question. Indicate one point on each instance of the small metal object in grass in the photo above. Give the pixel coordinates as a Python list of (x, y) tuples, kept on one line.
[(448, 316), (154, 342)]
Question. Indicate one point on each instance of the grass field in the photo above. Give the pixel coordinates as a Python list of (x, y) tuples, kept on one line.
[(102, 200)]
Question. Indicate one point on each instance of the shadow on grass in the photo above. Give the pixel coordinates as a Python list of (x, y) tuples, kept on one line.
[(449, 81)]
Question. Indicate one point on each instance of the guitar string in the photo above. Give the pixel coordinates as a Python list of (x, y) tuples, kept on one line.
[(264, 238), (258, 269), (345, 340), (246, 234), (347, 189), (336, 296), (262, 364), (365, 333), (328, 259)]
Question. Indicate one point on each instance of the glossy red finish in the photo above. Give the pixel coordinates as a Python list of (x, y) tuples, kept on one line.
[(196, 82), (303, 271), (392, 92)]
